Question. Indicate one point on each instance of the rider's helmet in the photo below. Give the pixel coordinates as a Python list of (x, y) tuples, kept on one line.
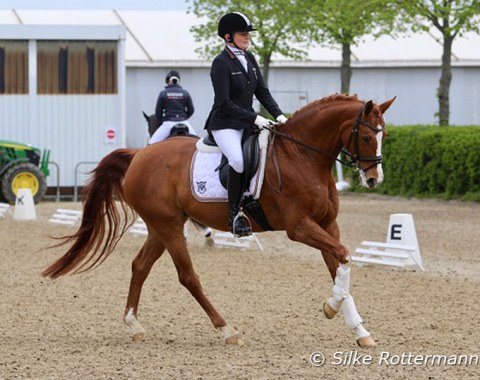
[(172, 75), (234, 22)]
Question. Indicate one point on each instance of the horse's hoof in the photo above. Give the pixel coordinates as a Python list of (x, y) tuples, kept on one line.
[(209, 242), (138, 337), (230, 335), (329, 311), (234, 340), (366, 342)]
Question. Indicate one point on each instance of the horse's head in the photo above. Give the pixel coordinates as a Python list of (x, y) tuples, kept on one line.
[(364, 142), (152, 123)]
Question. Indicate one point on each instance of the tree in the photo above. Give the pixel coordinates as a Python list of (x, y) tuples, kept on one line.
[(452, 18), (346, 23), (279, 24)]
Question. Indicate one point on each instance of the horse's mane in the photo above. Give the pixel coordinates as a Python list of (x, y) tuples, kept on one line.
[(327, 99)]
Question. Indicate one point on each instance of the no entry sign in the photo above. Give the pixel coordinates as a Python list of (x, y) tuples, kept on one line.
[(110, 135)]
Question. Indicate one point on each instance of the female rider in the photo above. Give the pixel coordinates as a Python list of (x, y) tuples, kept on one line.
[(236, 78)]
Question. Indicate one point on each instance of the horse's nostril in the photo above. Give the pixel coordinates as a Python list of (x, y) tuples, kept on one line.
[(371, 182)]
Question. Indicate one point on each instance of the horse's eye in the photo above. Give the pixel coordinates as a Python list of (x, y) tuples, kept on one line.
[(366, 139)]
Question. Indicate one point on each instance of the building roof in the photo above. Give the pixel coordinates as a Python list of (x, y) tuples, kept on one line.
[(163, 38)]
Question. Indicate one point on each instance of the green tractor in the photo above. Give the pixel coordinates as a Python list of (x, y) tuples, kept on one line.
[(22, 167)]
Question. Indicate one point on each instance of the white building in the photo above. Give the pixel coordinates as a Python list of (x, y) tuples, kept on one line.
[(63, 89), (157, 41)]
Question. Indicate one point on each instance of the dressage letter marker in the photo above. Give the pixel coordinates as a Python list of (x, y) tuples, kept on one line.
[(401, 248), (24, 206), (395, 232)]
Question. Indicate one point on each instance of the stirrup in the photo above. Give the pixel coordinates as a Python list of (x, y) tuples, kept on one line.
[(244, 232)]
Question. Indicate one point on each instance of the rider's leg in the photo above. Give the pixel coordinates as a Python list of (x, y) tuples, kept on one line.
[(162, 132), (229, 141), (236, 187)]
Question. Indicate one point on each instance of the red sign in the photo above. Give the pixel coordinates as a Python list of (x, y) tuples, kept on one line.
[(110, 133)]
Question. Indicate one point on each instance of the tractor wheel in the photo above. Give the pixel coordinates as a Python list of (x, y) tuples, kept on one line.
[(23, 176)]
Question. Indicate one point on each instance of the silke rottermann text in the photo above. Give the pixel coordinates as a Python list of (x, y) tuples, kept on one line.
[(354, 358)]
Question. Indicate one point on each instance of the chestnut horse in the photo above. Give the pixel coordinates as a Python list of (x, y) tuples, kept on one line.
[(155, 182)]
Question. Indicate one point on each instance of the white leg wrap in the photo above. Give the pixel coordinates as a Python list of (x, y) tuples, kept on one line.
[(350, 313), (361, 332), (341, 287), (353, 319)]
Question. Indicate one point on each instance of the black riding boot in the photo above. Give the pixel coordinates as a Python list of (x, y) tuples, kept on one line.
[(239, 225)]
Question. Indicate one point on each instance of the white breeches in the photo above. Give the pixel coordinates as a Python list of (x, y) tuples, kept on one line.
[(230, 143), (164, 130)]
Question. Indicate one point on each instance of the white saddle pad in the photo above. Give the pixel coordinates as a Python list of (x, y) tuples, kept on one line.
[(205, 181)]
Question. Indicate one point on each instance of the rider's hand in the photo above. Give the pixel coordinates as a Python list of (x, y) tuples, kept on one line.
[(262, 122), (282, 118)]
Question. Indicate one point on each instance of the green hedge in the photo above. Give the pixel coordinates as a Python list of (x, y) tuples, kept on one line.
[(431, 161)]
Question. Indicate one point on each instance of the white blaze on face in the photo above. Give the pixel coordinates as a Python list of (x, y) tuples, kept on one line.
[(379, 153)]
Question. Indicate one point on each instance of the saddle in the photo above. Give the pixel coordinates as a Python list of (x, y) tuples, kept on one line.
[(251, 156), (180, 129)]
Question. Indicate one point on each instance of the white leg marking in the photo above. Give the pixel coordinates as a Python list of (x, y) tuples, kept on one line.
[(230, 335), (133, 323)]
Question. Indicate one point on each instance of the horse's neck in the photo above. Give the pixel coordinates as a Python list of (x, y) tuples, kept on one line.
[(321, 131)]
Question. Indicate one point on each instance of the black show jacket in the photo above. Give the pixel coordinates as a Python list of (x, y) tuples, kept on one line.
[(234, 90)]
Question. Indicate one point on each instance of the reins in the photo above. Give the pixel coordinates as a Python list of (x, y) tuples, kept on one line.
[(301, 143)]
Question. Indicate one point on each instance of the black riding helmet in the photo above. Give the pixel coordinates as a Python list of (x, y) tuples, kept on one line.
[(172, 74), (234, 22)]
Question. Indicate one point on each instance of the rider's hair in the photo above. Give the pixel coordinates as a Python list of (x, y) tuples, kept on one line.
[(172, 76)]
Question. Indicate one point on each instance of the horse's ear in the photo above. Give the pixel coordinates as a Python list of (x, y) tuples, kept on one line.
[(368, 108), (146, 117), (386, 105)]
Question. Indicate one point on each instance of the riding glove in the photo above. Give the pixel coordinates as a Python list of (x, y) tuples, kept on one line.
[(282, 118), (261, 122)]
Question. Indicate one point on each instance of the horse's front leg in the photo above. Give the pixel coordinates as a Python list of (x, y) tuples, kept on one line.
[(309, 232), (342, 299)]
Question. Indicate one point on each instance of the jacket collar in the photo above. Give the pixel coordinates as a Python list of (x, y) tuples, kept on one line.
[(232, 56)]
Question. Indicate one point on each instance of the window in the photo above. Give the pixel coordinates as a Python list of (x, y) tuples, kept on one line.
[(13, 67), (77, 67)]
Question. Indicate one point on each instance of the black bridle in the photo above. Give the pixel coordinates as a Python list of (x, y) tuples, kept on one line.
[(355, 158)]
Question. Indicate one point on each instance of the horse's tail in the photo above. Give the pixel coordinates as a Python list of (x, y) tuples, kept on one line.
[(102, 225)]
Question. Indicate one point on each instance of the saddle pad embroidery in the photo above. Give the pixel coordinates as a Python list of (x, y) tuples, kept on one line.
[(205, 182)]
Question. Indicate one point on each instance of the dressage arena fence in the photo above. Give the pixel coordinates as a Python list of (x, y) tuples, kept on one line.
[(227, 239), (4, 208), (139, 228), (66, 217), (220, 239)]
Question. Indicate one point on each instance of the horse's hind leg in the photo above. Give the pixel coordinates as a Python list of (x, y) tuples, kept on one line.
[(177, 248), (151, 251), (342, 299)]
